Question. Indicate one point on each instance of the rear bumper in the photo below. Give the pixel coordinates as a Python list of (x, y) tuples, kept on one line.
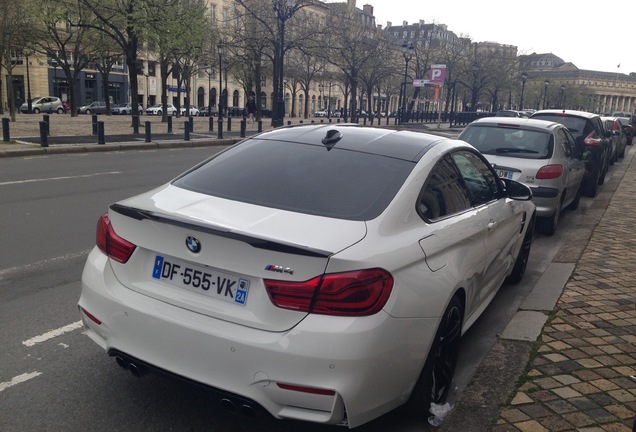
[(370, 364), (546, 200)]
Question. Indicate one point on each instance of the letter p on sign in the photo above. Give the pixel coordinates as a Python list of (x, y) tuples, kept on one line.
[(438, 74)]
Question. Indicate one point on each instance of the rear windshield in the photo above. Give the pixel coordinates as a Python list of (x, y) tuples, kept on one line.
[(518, 143), (576, 125), (303, 178)]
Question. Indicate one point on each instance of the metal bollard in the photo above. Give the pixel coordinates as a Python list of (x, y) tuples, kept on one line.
[(243, 127), (220, 131), (6, 137), (211, 124), (94, 117), (44, 140), (135, 124), (169, 124), (47, 119), (148, 131), (191, 123), (186, 130), (288, 122), (229, 123), (260, 126), (100, 133)]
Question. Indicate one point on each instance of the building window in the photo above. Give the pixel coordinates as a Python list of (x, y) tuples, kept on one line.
[(152, 68)]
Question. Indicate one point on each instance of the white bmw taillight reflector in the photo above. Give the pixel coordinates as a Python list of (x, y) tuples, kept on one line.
[(91, 316), (303, 389), (356, 293), (110, 243)]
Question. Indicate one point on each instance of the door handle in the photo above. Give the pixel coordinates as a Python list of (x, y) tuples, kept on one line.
[(492, 225)]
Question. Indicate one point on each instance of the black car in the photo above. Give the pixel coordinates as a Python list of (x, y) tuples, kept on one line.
[(592, 139)]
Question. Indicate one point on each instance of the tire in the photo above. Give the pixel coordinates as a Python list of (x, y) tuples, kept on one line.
[(521, 263), (549, 224), (88, 112), (590, 187), (36, 110), (436, 377), (60, 110), (577, 199)]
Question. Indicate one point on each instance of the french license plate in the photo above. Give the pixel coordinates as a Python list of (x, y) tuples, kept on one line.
[(201, 279), (504, 174)]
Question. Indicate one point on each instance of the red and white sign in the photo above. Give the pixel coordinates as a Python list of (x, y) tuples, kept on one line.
[(438, 74)]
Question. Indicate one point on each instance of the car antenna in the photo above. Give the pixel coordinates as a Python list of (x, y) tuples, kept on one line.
[(332, 137)]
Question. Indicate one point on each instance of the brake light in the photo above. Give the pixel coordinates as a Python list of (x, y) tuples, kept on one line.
[(506, 125), (356, 293), (110, 243), (550, 172), (592, 141)]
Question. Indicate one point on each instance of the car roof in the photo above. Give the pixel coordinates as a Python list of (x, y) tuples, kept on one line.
[(517, 122), (566, 112), (405, 145)]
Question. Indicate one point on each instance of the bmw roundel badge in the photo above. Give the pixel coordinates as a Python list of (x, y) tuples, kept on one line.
[(193, 244)]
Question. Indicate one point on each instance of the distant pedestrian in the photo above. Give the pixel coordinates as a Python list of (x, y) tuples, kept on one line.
[(251, 108)]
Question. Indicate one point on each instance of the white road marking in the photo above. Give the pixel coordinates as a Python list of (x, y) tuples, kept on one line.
[(58, 178), (53, 333), (39, 264), (19, 379)]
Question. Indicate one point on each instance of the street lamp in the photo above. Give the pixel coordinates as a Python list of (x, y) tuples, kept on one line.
[(320, 88), (284, 10), (329, 102), (546, 83), (220, 104), (474, 89), (210, 72), (29, 100), (562, 96), (407, 53), (524, 77)]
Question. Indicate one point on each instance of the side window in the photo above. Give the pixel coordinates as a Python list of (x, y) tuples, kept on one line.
[(443, 193), (574, 150), (562, 140), (480, 181)]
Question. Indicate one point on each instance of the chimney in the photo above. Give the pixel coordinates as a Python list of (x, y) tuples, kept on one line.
[(388, 24), (367, 9), (405, 23)]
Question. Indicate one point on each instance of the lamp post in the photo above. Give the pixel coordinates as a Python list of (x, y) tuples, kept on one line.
[(562, 96), (320, 88), (284, 10), (220, 104), (329, 102), (29, 100), (407, 53), (474, 89), (546, 83), (524, 77), (210, 72)]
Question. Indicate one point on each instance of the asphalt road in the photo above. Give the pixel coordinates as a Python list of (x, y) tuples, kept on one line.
[(53, 378)]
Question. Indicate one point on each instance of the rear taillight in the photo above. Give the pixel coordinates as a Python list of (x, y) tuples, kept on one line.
[(110, 243), (550, 172), (592, 141), (356, 293)]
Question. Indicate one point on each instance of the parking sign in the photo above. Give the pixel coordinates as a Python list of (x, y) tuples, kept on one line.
[(438, 74)]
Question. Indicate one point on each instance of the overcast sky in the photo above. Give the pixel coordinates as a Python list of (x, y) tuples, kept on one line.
[(562, 27)]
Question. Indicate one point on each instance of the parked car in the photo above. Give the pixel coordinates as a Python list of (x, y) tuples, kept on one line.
[(126, 109), (44, 104), (193, 112), (592, 140), (158, 110), (617, 136), (510, 113), (630, 116), (321, 113), (207, 111), (289, 269), (96, 107), (628, 129), (543, 155)]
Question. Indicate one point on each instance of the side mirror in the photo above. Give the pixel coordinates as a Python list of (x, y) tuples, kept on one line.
[(517, 191)]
